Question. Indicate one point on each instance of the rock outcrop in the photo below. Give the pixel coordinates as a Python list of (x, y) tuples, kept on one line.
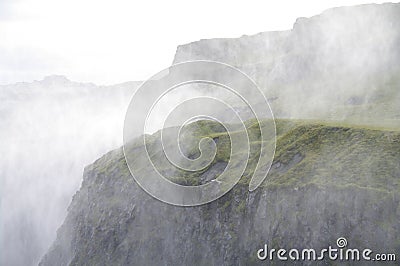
[(326, 182), (315, 69)]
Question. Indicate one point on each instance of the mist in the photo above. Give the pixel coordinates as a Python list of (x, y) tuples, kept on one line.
[(50, 130), (342, 65)]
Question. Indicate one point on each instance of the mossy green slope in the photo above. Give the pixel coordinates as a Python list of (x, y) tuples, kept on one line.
[(327, 181)]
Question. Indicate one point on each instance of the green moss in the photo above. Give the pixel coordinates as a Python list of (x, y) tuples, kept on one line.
[(307, 153), (241, 207)]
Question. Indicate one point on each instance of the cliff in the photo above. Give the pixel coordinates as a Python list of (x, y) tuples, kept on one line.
[(333, 82), (326, 181), (339, 64)]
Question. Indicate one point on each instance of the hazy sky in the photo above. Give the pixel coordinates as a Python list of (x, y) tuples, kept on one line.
[(108, 42)]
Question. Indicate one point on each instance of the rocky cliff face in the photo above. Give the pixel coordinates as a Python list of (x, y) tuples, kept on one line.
[(336, 65), (326, 182)]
